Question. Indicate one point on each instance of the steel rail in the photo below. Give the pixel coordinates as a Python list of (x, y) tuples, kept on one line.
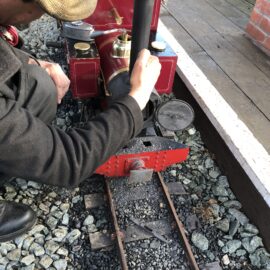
[(180, 225), (123, 259)]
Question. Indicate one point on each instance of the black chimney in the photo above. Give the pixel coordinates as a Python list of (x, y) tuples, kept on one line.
[(142, 17)]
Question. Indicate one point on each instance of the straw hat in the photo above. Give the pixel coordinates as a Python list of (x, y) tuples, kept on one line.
[(68, 10)]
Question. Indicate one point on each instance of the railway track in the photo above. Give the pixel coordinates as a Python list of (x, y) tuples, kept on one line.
[(131, 224)]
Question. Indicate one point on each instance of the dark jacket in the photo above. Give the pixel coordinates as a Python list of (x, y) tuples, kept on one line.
[(32, 150)]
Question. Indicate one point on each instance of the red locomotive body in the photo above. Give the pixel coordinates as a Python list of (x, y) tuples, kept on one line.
[(102, 48), (118, 14), (84, 71), (112, 14)]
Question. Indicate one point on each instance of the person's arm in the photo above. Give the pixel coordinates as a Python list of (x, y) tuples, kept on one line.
[(32, 150), (58, 76), (145, 72), (144, 76)]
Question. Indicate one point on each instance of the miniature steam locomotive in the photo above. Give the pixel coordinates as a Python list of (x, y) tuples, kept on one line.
[(101, 52)]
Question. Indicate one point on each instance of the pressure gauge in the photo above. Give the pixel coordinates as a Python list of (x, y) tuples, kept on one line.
[(174, 115)]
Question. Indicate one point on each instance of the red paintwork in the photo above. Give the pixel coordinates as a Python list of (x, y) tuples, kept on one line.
[(110, 66), (84, 73), (102, 18), (166, 78), (120, 165)]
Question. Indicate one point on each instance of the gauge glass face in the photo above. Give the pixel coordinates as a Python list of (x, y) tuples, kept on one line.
[(175, 115)]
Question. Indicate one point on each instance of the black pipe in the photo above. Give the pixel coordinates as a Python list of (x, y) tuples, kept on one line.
[(142, 17)]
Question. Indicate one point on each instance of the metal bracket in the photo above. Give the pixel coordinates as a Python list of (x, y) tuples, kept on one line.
[(140, 176)]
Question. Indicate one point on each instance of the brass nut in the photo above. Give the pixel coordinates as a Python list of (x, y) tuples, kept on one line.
[(82, 46)]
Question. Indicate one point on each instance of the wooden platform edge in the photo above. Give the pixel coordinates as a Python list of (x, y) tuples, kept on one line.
[(248, 151)]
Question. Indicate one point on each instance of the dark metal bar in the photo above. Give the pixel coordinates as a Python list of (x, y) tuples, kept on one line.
[(120, 246), (180, 226), (141, 26)]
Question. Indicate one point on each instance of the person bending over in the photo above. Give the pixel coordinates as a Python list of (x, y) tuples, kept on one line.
[(30, 147)]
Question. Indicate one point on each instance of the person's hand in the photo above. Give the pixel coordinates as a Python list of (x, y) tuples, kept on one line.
[(58, 76), (144, 76)]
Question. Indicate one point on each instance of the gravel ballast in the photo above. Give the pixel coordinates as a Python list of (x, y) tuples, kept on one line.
[(219, 231)]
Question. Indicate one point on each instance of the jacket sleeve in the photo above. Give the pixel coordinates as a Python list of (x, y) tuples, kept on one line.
[(32, 150)]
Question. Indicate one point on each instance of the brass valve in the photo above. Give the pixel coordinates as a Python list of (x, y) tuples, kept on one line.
[(116, 15)]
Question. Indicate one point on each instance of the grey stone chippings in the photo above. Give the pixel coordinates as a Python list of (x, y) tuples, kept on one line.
[(234, 227), (251, 228), (29, 267), (6, 247), (220, 243), (73, 235), (260, 258), (209, 163), (223, 225), (33, 184), (65, 207), (231, 246), (57, 214), (65, 220), (37, 249), (88, 221), (51, 247), (62, 251), (52, 222), (232, 204), (223, 181), (214, 173), (173, 173), (215, 210), (219, 191), (46, 261), (226, 260), (91, 228), (76, 199), (155, 244), (52, 194), (56, 243), (251, 244), (28, 260), (40, 239), (60, 233), (239, 216), (14, 255), (240, 252), (60, 264), (37, 229), (45, 208), (200, 241)]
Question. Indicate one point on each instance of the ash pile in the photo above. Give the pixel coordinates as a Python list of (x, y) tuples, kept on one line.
[(221, 234)]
